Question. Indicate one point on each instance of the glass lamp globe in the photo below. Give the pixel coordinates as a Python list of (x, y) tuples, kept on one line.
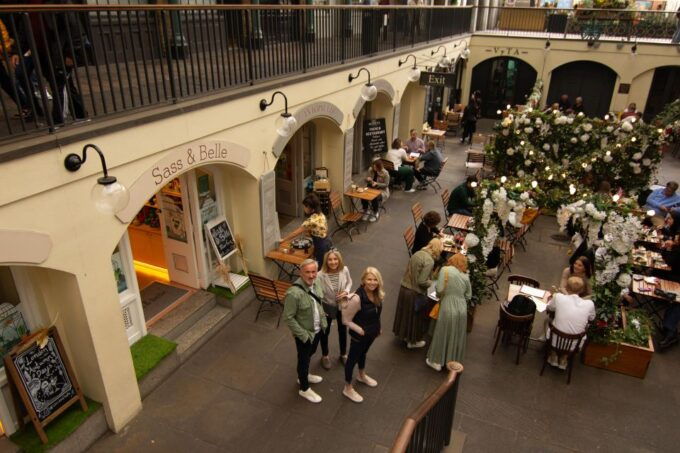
[(444, 62), (414, 74), (286, 125), (109, 196), (368, 92), (465, 54)]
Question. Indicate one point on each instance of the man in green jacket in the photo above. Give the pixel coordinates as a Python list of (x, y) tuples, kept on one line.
[(462, 198), (304, 315)]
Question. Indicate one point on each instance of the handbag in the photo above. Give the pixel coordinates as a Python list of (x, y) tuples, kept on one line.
[(434, 313), (420, 301)]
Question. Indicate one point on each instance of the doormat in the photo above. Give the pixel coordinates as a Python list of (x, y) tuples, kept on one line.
[(157, 297)]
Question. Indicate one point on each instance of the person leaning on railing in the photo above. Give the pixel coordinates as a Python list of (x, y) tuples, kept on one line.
[(676, 36), (10, 62)]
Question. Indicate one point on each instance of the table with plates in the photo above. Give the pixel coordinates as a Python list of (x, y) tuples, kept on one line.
[(449, 243), (288, 259), (460, 222), (643, 289), (362, 193), (436, 135), (649, 258)]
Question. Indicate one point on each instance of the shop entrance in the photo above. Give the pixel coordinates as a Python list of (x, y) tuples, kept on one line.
[(293, 173), (665, 88), (165, 256), (502, 81)]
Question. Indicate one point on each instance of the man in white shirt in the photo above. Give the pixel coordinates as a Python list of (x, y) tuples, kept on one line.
[(572, 314), (402, 173)]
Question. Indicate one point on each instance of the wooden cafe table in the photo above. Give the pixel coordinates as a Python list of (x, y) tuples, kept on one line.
[(436, 135), (288, 259), (642, 289), (649, 258), (366, 194), (459, 222), (541, 317)]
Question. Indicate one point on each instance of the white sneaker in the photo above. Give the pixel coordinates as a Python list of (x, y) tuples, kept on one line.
[(434, 366), (353, 395), (310, 395), (411, 190), (366, 215), (374, 217), (368, 380), (312, 378), (416, 345)]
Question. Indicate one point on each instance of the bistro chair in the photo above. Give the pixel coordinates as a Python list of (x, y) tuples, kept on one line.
[(417, 212), (440, 125), (510, 326), (446, 196), (270, 293), (508, 251), (345, 221), (453, 120), (522, 280), (409, 238), (431, 180), (494, 275), (474, 160), (394, 175), (562, 344)]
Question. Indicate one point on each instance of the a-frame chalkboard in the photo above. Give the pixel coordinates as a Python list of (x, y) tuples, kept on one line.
[(39, 371)]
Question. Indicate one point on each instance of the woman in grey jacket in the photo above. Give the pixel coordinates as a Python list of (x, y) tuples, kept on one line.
[(337, 284)]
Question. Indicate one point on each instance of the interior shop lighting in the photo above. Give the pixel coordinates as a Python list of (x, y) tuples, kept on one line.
[(286, 124), (368, 91), (108, 195), (444, 61), (414, 72)]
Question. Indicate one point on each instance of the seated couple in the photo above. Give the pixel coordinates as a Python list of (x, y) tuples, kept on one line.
[(406, 167)]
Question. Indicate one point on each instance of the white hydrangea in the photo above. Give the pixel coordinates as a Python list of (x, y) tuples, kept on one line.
[(546, 146), (573, 139), (627, 126), (623, 280), (510, 151), (570, 120), (587, 127), (584, 137), (471, 240)]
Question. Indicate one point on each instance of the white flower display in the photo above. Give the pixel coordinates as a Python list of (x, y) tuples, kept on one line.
[(527, 162), (624, 280), (471, 258), (505, 132), (573, 140), (510, 151), (489, 240), (507, 121), (570, 120), (637, 156), (528, 130), (607, 159), (539, 121), (587, 127), (646, 162), (487, 210), (546, 147), (520, 173), (584, 138), (610, 128), (637, 170), (627, 126), (471, 240)]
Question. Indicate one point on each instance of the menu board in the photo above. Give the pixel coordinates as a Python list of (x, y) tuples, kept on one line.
[(221, 237), (375, 136)]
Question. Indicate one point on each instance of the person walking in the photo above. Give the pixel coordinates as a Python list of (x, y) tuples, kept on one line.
[(302, 313), (362, 316), (450, 332), (336, 283), (316, 226), (470, 115), (410, 320)]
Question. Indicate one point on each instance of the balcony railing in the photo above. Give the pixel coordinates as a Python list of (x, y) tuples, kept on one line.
[(64, 64), (587, 24)]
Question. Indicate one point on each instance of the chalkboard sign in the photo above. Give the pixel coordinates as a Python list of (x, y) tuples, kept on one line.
[(42, 375), (221, 237), (375, 136)]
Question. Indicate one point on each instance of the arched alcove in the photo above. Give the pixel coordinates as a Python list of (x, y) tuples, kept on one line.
[(502, 81), (593, 81)]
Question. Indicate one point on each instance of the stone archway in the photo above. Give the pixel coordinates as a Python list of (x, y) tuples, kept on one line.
[(411, 109), (502, 81), (591, 80)]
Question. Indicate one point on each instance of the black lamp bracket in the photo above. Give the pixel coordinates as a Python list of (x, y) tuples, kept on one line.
[(73, 162), (352, 77), (440, 47), (401, 62), (264, 104)]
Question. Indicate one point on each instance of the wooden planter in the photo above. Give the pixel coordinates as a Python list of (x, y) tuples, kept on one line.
[(631, 360)]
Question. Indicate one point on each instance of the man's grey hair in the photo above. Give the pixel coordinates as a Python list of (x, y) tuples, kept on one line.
[(307, 262)]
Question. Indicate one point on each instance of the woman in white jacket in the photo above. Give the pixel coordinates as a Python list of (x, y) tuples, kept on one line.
[(337, 284)]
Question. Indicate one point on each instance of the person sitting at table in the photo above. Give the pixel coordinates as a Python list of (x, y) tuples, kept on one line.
[(670, 252), (432, 164), (551, 107), (415, 144), (631, 110), (378, 178), (662, 200), (572, 314), (578, 105), (427, 230), (316, 226), (671, 225), (410, 319), (462, 198), (521, 305), (402, 173), (582, 269)]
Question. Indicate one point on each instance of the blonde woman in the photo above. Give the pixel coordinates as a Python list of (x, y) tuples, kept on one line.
[(454, 290), (410, 320), (336, 283), (362, 316)]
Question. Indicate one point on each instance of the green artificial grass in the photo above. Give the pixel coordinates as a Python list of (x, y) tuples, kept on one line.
[(148, 352), (227, 294), (59, 429)]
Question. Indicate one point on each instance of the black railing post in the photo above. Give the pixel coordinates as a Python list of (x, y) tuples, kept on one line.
[(168, 56), (344, 36), (303, 40), (249, 42)]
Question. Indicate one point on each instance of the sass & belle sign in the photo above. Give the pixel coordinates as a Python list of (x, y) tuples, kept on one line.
[(178, 161)]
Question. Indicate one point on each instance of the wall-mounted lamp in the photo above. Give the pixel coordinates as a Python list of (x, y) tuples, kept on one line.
[(465, 53), (368, 91), (286, 123), (444, 61), (414, 72), (547, 45), (633, 49), (108, 195)]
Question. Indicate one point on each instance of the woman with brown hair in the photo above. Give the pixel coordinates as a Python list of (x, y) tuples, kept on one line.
[(410, 320), (361, 315), (454, 291), (378, 178), (427, 230)]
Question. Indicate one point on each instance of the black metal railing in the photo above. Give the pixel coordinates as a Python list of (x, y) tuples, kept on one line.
[(429, 427), (64, 64), (587, 24)]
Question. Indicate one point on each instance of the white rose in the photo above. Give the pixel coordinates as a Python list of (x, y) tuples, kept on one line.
[(520, 173), (546, 147), (607, 158), (587, 127), (524, 196), (584, 137), (527, 162), (573, 140), (624, 280), (510, 151), (637, 156), (646, 162), (570, 120), (505, 132), (539, 121), (610, 128), (507, 121), (528, 130), (471, 240), (580, 114), (627, 126)]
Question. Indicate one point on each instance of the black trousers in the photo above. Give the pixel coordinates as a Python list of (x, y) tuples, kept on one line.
[(375, 203), (358, 348), (305, 351), (342, 334), (422, 174), (469, 128)]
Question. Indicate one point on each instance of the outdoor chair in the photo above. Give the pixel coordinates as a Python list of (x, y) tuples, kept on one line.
[(409, 238), (270, 293), (522, 280), (562, 343), (394, 175), (474, 160), (510, 326), (441, 125), (494, 277), (453, 121), (345, 221), (445, 201), (431, 180), (517, 235), (508, 251), (417, 212)]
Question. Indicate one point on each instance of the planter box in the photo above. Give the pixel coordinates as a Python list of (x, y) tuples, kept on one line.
[(631, 360)]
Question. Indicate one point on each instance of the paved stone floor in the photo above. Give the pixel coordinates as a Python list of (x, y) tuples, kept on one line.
[(238, 392)]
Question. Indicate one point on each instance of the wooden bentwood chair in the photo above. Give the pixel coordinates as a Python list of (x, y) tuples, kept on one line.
[(270, 293), (562, 343), (417, 212), (446, 196), (345, 221), (522, 280), (409, 238), (510, 326)]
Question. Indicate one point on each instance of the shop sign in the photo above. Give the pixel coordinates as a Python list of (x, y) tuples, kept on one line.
[(178, 161), (438, 79), (375, 136)]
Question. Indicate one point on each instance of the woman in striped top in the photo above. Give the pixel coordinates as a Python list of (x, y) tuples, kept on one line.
[(337, 284)]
